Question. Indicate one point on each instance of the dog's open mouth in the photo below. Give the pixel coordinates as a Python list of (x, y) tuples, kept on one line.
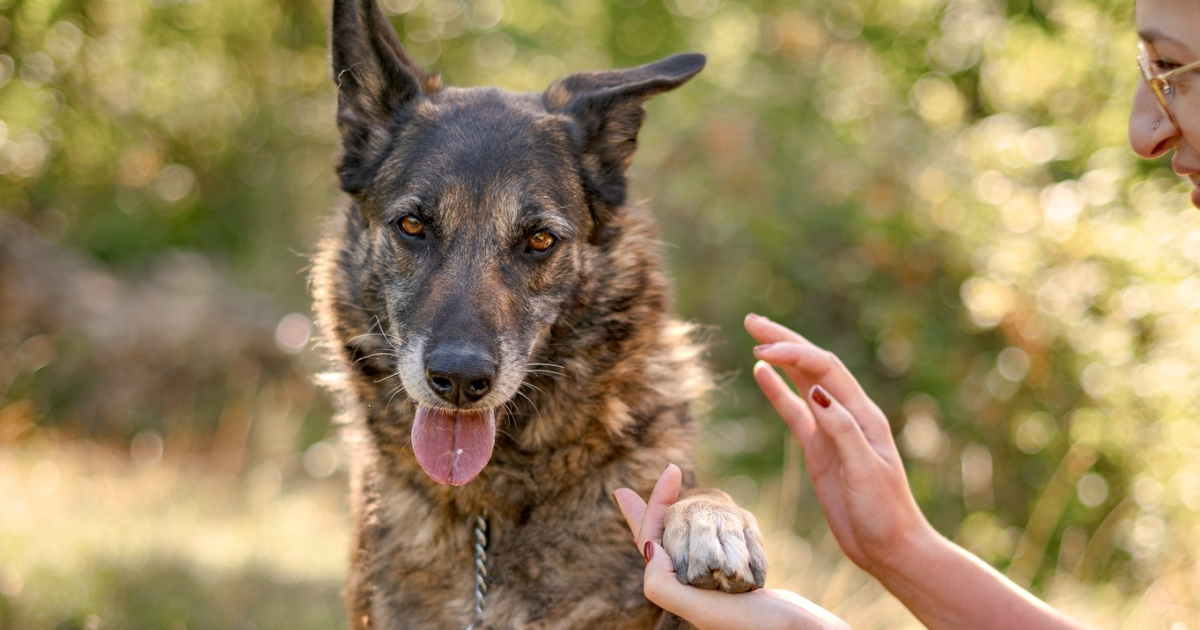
[(453, 446)]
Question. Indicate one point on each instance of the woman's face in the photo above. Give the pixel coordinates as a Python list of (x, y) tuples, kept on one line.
[(1170, 30)]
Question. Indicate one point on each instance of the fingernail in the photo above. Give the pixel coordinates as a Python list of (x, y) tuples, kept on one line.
[(764, 347), (820, 397), (648, 551), (754, 316)]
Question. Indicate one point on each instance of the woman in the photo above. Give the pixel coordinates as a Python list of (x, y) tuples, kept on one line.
[(851, 456), (1165, 106)]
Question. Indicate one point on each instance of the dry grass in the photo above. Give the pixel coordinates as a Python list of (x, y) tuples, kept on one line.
[(89, 539), (816, 568)]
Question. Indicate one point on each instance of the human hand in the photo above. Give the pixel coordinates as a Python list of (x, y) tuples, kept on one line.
[(848, 447), (763, 609)]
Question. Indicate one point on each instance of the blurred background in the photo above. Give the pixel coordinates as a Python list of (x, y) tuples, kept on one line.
[(941, 192)]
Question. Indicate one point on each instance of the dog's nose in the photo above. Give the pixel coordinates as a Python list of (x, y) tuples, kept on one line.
[(459, 375)]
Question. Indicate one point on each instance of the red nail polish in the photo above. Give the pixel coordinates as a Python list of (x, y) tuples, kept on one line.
[(648, 551), (820, 397)]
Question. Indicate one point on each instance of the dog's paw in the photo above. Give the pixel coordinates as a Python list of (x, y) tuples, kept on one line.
[(714, 543)]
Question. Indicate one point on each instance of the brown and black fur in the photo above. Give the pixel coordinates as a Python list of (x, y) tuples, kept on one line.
[(594, 383)]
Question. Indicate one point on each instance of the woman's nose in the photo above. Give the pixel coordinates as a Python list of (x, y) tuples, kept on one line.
[(1151, 132)]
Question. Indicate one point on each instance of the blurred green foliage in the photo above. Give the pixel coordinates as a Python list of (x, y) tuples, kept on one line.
[(940, 192)]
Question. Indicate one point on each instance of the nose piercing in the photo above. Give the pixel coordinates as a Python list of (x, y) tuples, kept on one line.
[(1157, 124)]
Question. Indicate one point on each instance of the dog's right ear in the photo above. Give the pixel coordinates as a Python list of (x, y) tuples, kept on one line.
[(376, 80)]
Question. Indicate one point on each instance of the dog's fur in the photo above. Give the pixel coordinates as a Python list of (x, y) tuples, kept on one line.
[(591, 383)]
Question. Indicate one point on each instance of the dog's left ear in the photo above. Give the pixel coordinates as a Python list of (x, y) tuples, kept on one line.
[(607, 108)]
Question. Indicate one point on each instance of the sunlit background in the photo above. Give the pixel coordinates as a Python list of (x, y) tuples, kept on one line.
[(939, 191)]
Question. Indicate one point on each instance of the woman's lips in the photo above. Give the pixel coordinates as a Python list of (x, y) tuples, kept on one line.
[(1191, 172)]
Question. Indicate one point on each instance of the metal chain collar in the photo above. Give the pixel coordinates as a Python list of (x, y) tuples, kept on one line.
[(481, 533)]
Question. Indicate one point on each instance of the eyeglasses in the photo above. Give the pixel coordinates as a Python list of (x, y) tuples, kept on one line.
[(1161, 84)]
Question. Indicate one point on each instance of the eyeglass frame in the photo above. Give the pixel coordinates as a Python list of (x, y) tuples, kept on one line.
[(1160, 84)]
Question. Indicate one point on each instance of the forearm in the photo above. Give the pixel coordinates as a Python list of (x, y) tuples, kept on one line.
[(948, 588)]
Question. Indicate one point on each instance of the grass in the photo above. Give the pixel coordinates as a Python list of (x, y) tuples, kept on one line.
[(90, 539)]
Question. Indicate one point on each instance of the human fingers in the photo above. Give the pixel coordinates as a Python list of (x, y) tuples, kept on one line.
[(762, 609), (663, 496), (813, 365), (632, 507), (662, 586), (787, 404), (854, 451), (766, 331), (808, 365), (819, 454)]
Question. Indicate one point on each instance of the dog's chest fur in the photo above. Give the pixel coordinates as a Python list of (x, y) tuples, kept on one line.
[(559, 565)]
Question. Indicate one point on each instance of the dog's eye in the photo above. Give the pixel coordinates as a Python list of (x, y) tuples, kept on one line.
[(412, 226), (541, 241)]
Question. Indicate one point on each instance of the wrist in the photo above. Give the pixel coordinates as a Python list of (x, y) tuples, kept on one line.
[(912, 547)]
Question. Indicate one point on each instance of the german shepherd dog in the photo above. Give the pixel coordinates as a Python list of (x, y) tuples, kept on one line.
[(497, 316)]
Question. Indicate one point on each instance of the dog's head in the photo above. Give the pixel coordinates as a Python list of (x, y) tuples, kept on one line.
[(481, 208)]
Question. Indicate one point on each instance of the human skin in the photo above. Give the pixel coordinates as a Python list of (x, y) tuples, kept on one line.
[(860, 483), (761, 609), (1169, 29)]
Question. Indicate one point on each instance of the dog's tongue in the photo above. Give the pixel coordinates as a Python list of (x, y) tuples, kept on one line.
[(452, 447)]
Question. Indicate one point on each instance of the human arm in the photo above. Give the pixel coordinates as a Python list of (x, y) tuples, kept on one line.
[(860, 481), (761, 609)]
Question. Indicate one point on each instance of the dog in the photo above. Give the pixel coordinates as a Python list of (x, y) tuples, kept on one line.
[(496, 314)]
